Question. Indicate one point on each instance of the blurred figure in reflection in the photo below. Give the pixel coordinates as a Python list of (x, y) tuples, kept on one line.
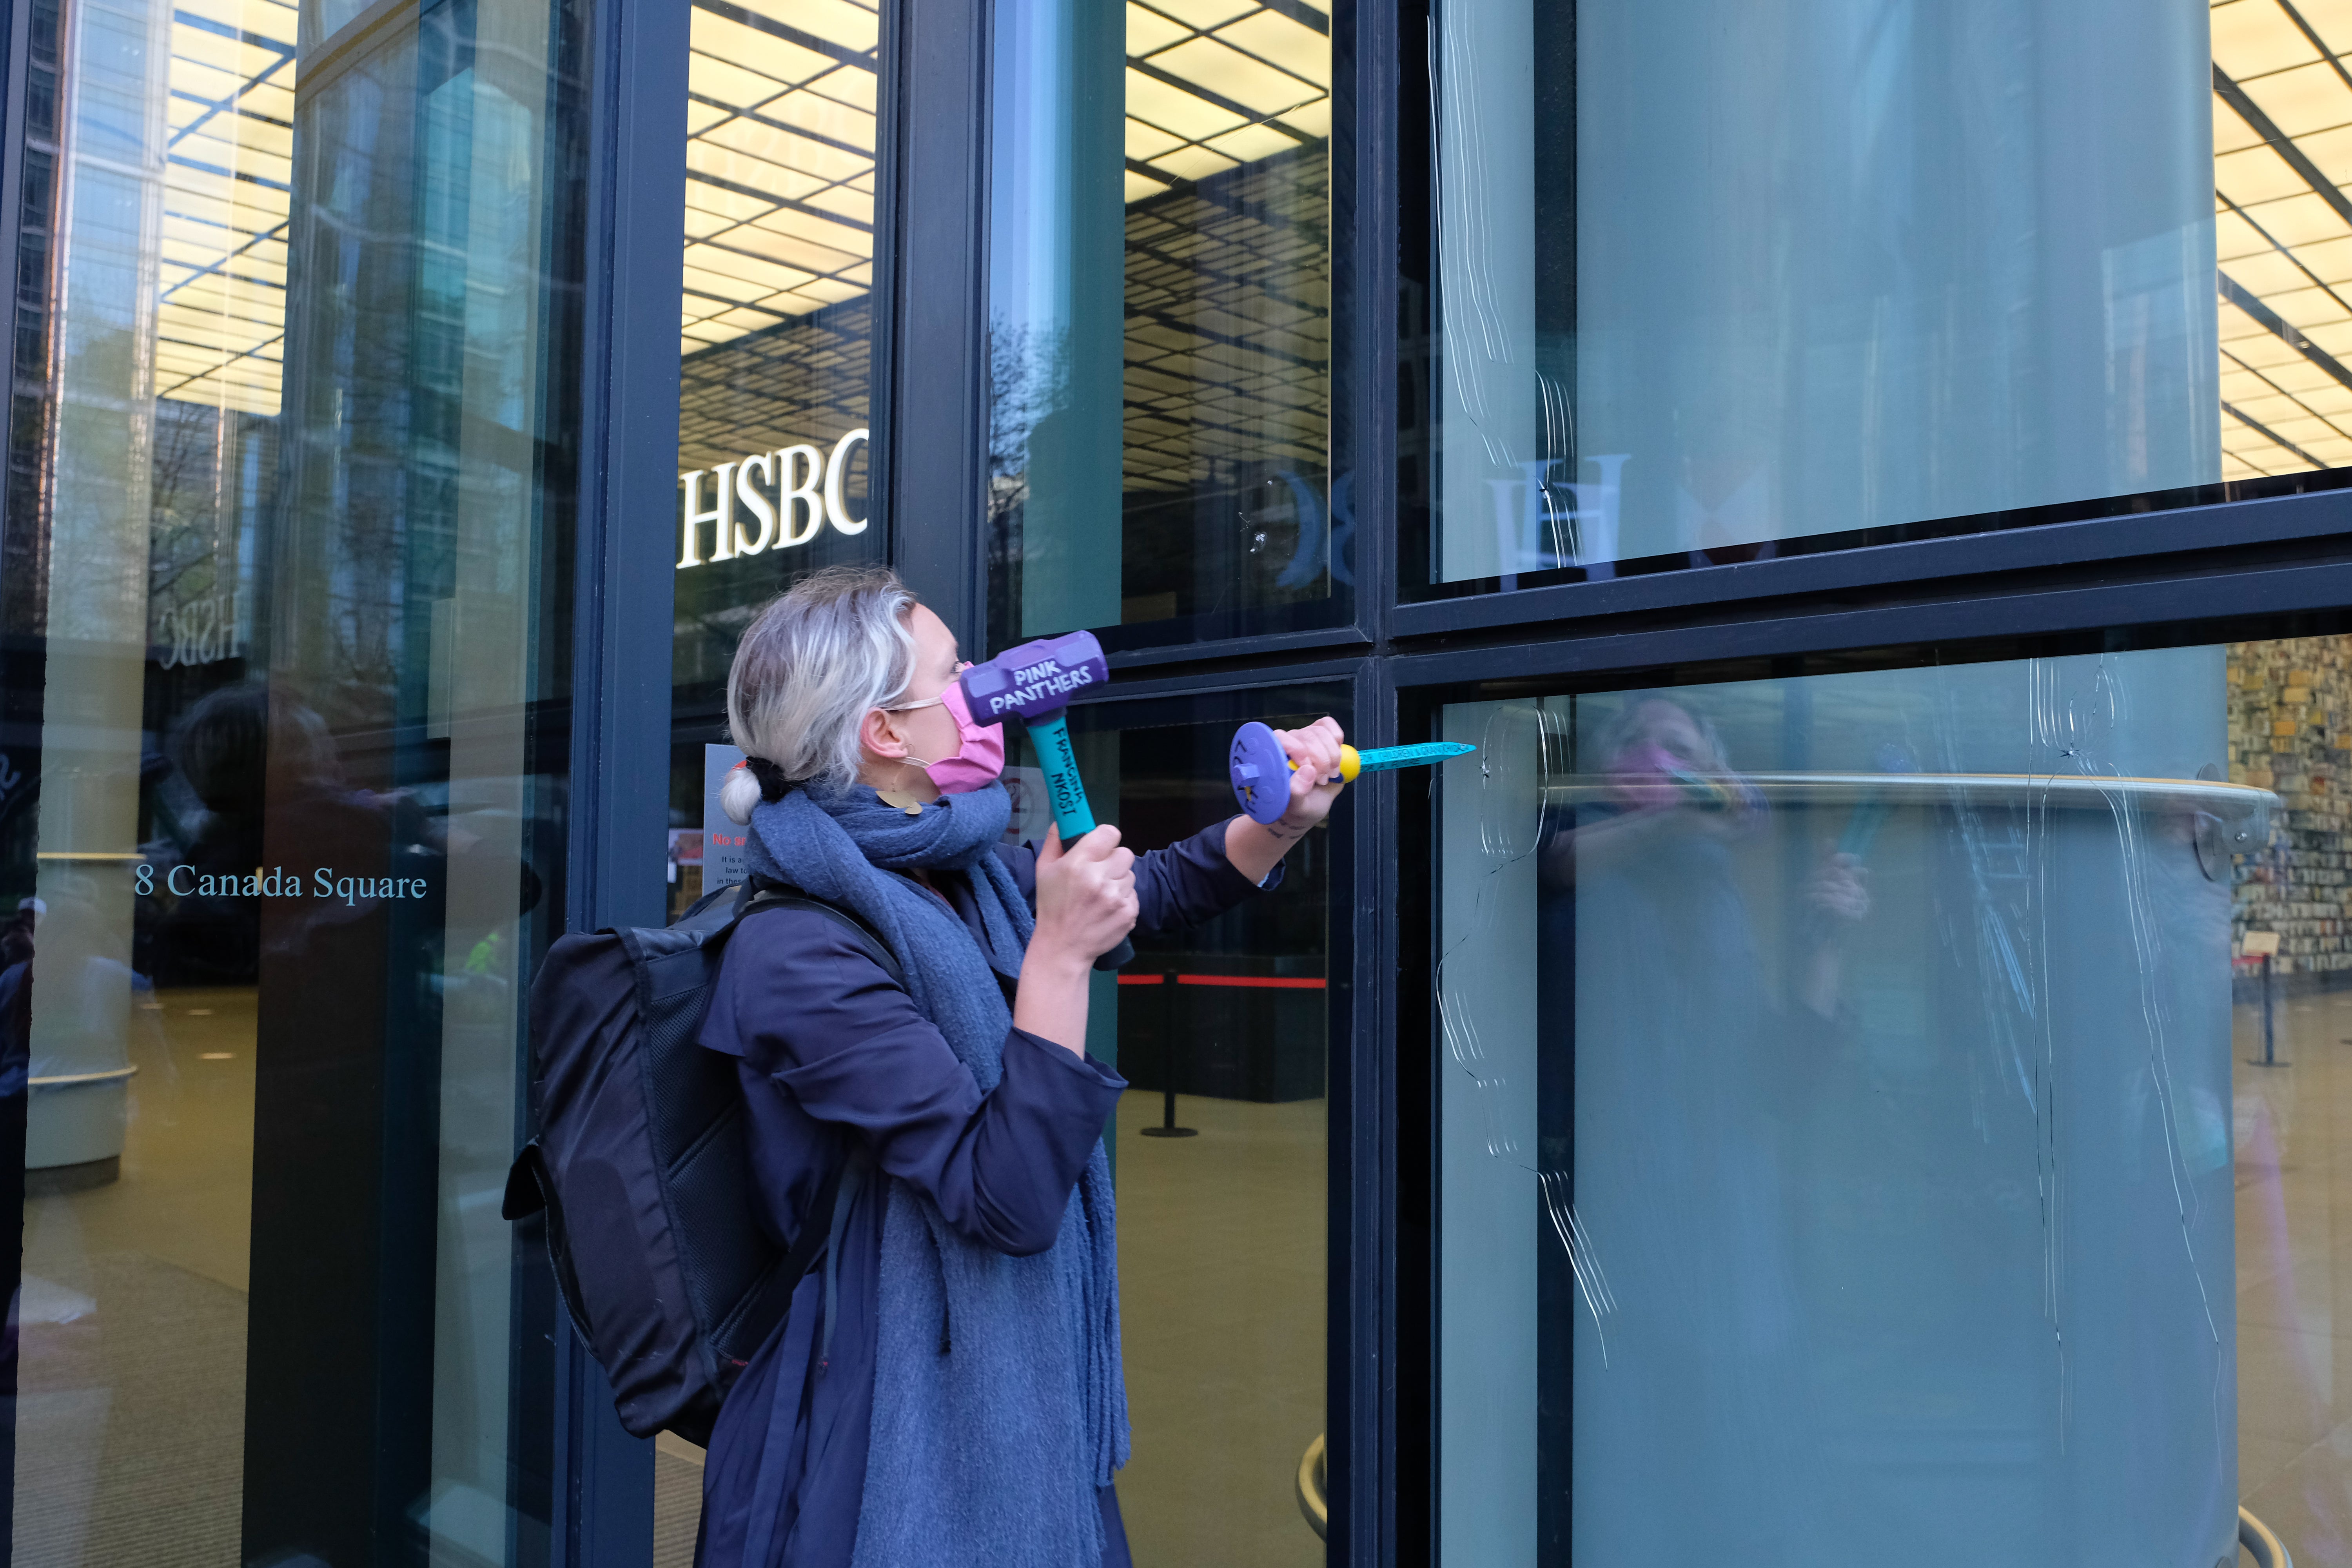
[(16, 934), (1672, 807), (1688, 1081), (248, 754), (222, 748), (347, 1088)]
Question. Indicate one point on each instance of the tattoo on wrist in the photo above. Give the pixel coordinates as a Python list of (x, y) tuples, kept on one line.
[(1284, 831)]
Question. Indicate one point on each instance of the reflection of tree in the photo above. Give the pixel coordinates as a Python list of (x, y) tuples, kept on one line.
[(183, 520), (213, 471), (1028, 367)]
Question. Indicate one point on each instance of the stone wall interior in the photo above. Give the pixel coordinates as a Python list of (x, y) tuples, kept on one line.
[(2290, 706)]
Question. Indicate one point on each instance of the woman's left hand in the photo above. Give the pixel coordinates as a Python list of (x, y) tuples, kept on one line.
[(1256, 847), (1315, 752)]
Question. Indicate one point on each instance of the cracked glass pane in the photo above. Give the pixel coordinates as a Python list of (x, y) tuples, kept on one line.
[(1838, 1110), (1694, 284)]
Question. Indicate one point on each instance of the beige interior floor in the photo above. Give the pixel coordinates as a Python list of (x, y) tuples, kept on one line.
[(133, 1338), (186, 1193), (2294, 1277), (1223, 1240), (130, 1424), (134, 1314)]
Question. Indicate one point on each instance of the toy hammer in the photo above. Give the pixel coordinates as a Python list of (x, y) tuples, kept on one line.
[(1035, 683)]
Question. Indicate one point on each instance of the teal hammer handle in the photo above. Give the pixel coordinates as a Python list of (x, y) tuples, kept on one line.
[(1067, 792), (1064, 787)]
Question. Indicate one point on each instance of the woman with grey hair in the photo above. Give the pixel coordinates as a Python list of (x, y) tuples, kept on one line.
[(947, 1387)]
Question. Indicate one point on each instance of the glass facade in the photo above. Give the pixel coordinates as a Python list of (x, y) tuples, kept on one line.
[(280, 829), (776, 327), (1843, 1070), (1221, 1151), (1159, 338), (1870, 1093), (775, 436), (775, 447), (1681, 302)]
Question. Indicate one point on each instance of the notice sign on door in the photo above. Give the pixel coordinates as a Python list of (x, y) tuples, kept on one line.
[(723, 838)]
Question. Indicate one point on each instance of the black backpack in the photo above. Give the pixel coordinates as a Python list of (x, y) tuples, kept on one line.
[(642, 1168)]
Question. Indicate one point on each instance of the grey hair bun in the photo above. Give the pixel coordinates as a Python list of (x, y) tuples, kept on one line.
[(739, 795)]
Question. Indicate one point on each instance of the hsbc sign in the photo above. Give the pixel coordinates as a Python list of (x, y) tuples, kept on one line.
[(769, 501)]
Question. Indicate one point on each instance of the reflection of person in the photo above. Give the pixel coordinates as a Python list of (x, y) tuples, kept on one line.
[(222, 747), (1682, 1067), (349, 1045), (1668, 779), (266, 769), (947, 1387)]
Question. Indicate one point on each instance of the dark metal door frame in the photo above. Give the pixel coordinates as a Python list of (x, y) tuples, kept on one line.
[(930, 440), (604, 1506)]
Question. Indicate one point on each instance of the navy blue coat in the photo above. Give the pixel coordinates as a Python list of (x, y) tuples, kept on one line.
[(831, 1049)]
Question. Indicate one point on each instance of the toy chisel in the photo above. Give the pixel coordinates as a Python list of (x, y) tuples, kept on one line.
[(1262, 769)]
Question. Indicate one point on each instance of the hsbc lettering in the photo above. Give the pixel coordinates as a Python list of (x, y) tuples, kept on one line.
[(805, 485)]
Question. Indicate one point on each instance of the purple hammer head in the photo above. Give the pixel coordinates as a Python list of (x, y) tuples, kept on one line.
[(1035, 678)]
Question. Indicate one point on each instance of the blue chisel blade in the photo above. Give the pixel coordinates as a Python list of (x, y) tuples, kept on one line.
[(1386, 757)]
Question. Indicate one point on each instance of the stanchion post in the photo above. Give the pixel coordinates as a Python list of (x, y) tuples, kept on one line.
[(2270, 1038), (1168, 1128), (2264, 945)]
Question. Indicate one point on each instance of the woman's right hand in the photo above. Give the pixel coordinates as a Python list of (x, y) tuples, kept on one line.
[(1086, 894)]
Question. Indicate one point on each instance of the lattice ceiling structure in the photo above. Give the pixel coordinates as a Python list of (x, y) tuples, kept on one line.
[(227, 180), (1228, 241), (2282, 149), (780, 159), (780, 163), (1214, 83)]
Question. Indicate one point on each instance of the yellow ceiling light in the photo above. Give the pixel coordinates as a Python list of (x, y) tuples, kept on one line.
[(220, 318), (1210, 83), (780, 163), (2283, 238), (1235, 76), (1281, 40), (780, 154)]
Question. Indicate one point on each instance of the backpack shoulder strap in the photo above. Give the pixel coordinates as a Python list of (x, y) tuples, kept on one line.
[(762, 894)]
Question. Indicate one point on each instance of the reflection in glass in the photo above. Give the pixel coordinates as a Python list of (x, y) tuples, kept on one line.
[(776, 344), (775, 411), (1160, 315), (275, 829), (2283, 236), (1705, 278), (1223, 1233), (1836, 1117), (776, 327)]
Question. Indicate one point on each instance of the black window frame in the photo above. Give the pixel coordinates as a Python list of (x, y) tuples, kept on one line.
[(1347, 618), (2252, 602), (2267, 566), (1358, 1174)]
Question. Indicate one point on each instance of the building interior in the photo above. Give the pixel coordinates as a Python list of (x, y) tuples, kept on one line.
[(132, 1314)]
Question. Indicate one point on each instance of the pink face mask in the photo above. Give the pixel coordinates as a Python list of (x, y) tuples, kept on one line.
[(980, 760)]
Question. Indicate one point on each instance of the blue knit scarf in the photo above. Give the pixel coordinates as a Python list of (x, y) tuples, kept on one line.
[(990, 1454)]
